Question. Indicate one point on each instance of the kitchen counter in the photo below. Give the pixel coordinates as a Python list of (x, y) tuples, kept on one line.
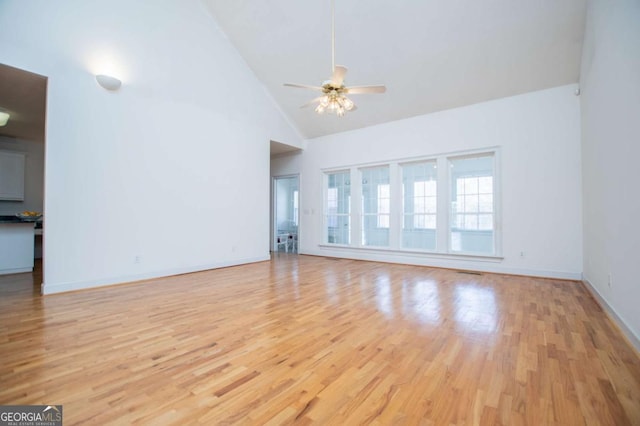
[(15, 219), (16, 245), (10, 219)]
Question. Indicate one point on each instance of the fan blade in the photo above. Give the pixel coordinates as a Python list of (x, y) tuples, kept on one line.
[(338, 75), (359, 90), (311, 102), (304, 86)]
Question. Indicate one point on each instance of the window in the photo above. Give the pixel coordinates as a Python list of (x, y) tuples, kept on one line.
[(424, 204), (419, 205), (338, 208), (444, 204), (376, 206), (472, 204), (384, 206)]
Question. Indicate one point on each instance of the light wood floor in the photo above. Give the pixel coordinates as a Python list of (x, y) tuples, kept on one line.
[(310, 340)]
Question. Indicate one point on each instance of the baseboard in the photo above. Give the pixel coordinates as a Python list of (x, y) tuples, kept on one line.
[(16, 271), (615, 318), (82, 285), (480, 265)]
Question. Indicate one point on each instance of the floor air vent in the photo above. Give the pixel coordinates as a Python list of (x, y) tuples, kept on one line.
[(469, 272)]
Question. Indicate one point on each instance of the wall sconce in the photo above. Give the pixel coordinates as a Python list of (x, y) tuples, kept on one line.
[(108, 82), (4, 117)]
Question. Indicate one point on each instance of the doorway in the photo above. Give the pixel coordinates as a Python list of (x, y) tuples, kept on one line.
[(286, 213), (22, 135)]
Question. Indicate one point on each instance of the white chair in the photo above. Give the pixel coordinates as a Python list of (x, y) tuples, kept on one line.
[(293, 242), (282, 240)]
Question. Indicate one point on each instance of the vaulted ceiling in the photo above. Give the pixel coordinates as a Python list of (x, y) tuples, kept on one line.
[(431, 54)]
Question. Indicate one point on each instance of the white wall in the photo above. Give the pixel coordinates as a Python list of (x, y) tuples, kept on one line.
[(173, 168), (33, 175), (610, 103), (539, 136)]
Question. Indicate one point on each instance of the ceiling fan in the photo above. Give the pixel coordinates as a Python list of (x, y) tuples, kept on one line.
[(334, 93)]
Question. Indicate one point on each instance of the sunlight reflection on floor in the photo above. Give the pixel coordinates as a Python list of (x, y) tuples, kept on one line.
[(475, 308)]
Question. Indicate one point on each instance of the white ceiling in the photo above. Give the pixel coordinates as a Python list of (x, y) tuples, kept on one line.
[(431, 54), (281, 148), (23, 96)]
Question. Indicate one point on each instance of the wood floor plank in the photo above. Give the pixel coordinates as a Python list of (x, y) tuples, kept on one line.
[(311, 340)]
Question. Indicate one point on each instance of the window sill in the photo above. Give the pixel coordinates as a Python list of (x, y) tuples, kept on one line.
[(421, 253)]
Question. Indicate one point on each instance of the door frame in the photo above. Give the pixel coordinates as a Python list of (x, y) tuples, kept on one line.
[(274, 207)]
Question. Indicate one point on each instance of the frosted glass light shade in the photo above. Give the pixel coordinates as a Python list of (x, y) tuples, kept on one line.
[(108, 82), (4, 117)]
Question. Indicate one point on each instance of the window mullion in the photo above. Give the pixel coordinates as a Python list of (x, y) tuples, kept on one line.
[(356, 207), (496, 208), (443, 215), (395, 219)]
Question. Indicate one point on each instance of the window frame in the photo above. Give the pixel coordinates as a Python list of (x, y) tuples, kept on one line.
[(496, 242), (377, 214), (325, 208), (396, 216), (402, 167)]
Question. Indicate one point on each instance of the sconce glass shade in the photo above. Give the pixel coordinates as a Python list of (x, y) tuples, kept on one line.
[(108, 82), (4, 117)]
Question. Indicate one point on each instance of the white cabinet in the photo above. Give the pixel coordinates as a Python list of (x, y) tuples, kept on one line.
[(12, 176), (16, 247)]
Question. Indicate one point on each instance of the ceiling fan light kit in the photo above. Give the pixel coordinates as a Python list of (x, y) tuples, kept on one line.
[(335, 103), (334, 99)]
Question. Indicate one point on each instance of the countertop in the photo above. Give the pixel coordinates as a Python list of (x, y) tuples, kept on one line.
[(13, 219)]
